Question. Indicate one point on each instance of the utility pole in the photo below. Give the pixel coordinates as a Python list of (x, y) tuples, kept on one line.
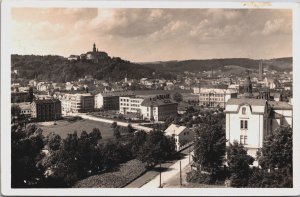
[(159, 174), (180, 174)]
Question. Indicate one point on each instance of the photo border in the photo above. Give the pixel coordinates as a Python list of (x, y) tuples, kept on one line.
[(6, 48)]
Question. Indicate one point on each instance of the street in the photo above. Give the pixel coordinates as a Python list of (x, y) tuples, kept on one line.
[(125, 124)]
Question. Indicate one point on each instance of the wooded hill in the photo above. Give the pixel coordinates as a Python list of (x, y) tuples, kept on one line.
[(60, 69), (279, 64)]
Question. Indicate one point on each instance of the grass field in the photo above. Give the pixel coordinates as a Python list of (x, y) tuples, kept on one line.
[(64, 127)]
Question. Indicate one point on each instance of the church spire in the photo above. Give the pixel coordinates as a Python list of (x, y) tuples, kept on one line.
[(94, 47)]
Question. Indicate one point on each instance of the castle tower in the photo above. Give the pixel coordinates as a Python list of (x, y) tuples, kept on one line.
[(94, 47), (261, 70)]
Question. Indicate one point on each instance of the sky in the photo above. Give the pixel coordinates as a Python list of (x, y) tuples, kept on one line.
[(145, 35)]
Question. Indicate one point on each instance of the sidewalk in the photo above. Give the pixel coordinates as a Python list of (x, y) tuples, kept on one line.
[(166, 176)]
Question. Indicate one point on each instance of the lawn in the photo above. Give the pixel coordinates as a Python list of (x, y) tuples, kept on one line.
[(64, 127), (126, 173)]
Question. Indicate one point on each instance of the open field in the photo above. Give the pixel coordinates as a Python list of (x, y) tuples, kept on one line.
[(64, 127)]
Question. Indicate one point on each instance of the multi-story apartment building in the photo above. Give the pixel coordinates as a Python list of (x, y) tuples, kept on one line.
[(130, 105), (110, 100), (215, 97), (158, 109), (77, 103), (46, 109)]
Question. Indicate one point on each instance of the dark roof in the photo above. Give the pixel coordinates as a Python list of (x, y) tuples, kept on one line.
[(156, 102), (250, 101), (41, 101), (280, 105), (144, 92)]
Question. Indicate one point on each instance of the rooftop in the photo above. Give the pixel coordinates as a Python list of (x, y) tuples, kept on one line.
[(280, 105), (174, 129), (250, 101), (156, 102)]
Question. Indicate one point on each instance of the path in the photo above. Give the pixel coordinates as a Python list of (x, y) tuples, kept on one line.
[(125, 124), (167, 175)]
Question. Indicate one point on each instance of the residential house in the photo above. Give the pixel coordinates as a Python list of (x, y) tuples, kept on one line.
[(181, 134)]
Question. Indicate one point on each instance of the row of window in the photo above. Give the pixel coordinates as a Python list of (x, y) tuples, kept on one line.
[(213, 99), (212, 95)]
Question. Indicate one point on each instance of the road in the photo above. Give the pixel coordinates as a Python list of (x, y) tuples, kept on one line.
[(125, 124), (166, 176)]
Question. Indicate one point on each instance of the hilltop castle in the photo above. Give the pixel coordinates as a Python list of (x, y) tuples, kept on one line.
[(94, 55)]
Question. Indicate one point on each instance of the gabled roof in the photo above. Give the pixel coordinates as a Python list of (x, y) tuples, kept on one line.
[(175, 129), (257, 105)]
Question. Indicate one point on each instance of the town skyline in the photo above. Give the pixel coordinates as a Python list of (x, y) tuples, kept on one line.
[(217, 33)]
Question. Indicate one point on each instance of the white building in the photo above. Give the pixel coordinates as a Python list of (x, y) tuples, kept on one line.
[(77, 103), (249, 120), (130, 104), (181, 134), (215, 97)]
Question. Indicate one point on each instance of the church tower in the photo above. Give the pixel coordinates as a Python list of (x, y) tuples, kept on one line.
[(248, 84), (94, 47)]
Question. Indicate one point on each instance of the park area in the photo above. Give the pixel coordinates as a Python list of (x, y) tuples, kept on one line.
[(63, 127)]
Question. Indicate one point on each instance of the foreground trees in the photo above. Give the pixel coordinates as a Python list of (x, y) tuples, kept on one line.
[(26, 147), (275, 160), (239, 164), (51, 161), (209, 150)]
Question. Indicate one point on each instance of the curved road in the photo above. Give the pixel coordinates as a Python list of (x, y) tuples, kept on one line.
[(125, 124)]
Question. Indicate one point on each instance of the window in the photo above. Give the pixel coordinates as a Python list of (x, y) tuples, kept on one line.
[(243, 139), (244, 110), (244, 124)]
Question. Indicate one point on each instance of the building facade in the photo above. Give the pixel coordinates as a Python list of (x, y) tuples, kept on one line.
[(181, 134), (249, 120), (213, 97), (157, 109), (129, 105), (46, 109), (77, 103)]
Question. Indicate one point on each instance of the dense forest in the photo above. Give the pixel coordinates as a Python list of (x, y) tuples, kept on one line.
[(279, 64), (59, 69)]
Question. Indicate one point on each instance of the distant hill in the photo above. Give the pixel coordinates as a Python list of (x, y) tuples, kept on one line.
[(279, 64), (59, 69)]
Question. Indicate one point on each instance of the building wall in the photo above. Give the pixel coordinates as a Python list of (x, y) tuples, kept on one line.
[(77, 103), (184, 137), (254, 131), (160, 113), (130, 105), (215, 97), (47, 111)]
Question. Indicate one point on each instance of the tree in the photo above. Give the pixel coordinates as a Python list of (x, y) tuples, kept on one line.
[(15, 110), (114, 125), (26, 147), (238, 163), (53, 141), (177, 97), (95, 136), (117, 132), (130, 129), (275, 160), (157, 147), (209, 147)]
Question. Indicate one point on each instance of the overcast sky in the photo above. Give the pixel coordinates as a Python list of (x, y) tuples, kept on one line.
[(154, 34)]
